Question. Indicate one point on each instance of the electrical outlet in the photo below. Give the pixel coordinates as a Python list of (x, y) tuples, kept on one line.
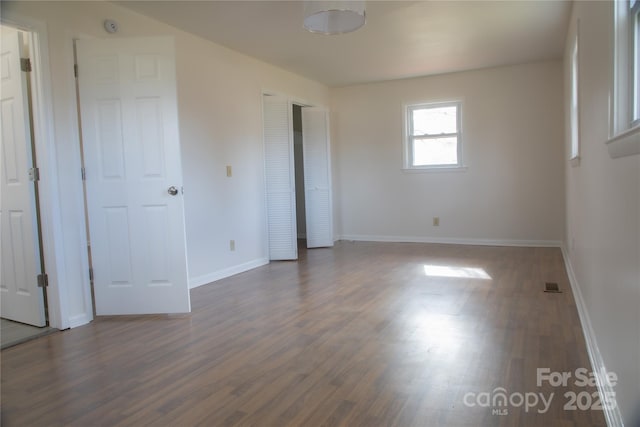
[(232, 245), (436, 221), (229, 171)]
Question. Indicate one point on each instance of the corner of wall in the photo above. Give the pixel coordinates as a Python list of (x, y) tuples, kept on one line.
[(205, 279)]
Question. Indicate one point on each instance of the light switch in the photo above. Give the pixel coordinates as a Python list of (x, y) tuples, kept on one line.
[(229, 171)]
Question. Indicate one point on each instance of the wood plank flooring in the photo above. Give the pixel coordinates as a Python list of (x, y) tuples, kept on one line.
[(364, 334)]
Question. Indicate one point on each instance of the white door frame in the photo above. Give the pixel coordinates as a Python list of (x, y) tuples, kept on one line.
[(50, 207)]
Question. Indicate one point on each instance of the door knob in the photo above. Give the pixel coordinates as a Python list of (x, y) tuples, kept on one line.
[(172, 190)]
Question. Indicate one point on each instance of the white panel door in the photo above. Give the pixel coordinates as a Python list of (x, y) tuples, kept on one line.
[(317, 178), (280, 178), (133, 175), (22, 299)]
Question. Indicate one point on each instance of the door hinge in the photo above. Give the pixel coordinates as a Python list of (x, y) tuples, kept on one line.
[(43, 280), (83, 172), (34, 174), (25, 65), (91, 274), (75, 70)]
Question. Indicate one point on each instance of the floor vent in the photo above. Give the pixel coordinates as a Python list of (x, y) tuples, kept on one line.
[(552, 287)]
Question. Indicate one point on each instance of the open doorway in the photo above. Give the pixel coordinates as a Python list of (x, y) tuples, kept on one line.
[(23, 278), (298, 176), (298, 162)]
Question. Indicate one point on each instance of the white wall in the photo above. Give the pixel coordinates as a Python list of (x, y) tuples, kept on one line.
[(603, 216), (512, 191), (220, 111)]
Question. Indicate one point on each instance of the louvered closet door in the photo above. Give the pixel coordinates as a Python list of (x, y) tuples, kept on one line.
[(280, 178), (317, 178)]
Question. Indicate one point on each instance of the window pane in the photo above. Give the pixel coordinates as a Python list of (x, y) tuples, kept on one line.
[(435, 151), (434, 121), (574, 100)]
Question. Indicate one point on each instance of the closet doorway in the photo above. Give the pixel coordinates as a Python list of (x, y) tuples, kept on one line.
[(298, 166), (298, 176)]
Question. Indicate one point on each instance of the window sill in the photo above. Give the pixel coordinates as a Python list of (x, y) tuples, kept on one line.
[(624, 144), (436, 169)]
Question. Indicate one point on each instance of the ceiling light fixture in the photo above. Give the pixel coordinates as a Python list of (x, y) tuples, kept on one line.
[(333, 17)]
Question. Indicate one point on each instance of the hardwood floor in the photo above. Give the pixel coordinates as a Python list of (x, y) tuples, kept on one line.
[(364, 334)]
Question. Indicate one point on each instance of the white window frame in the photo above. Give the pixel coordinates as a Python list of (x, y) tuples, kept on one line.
[(634, 31), (408, 136), (574, 97), (624, 114)]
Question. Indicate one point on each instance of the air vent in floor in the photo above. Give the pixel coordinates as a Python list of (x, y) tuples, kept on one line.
[(552, 287)]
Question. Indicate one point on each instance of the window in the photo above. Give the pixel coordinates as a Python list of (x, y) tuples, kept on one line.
[(575, 132), (626, 71), (433, 137), (624, 132)]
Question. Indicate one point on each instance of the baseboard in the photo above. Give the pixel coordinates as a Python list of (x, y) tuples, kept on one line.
[(194, 282), (79, 320), (612, 415), (452, 241)]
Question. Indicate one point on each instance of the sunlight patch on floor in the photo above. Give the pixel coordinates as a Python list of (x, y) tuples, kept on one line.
[(455, 271)]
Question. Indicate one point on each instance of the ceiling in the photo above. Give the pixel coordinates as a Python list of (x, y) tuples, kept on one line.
[(400, 39)]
